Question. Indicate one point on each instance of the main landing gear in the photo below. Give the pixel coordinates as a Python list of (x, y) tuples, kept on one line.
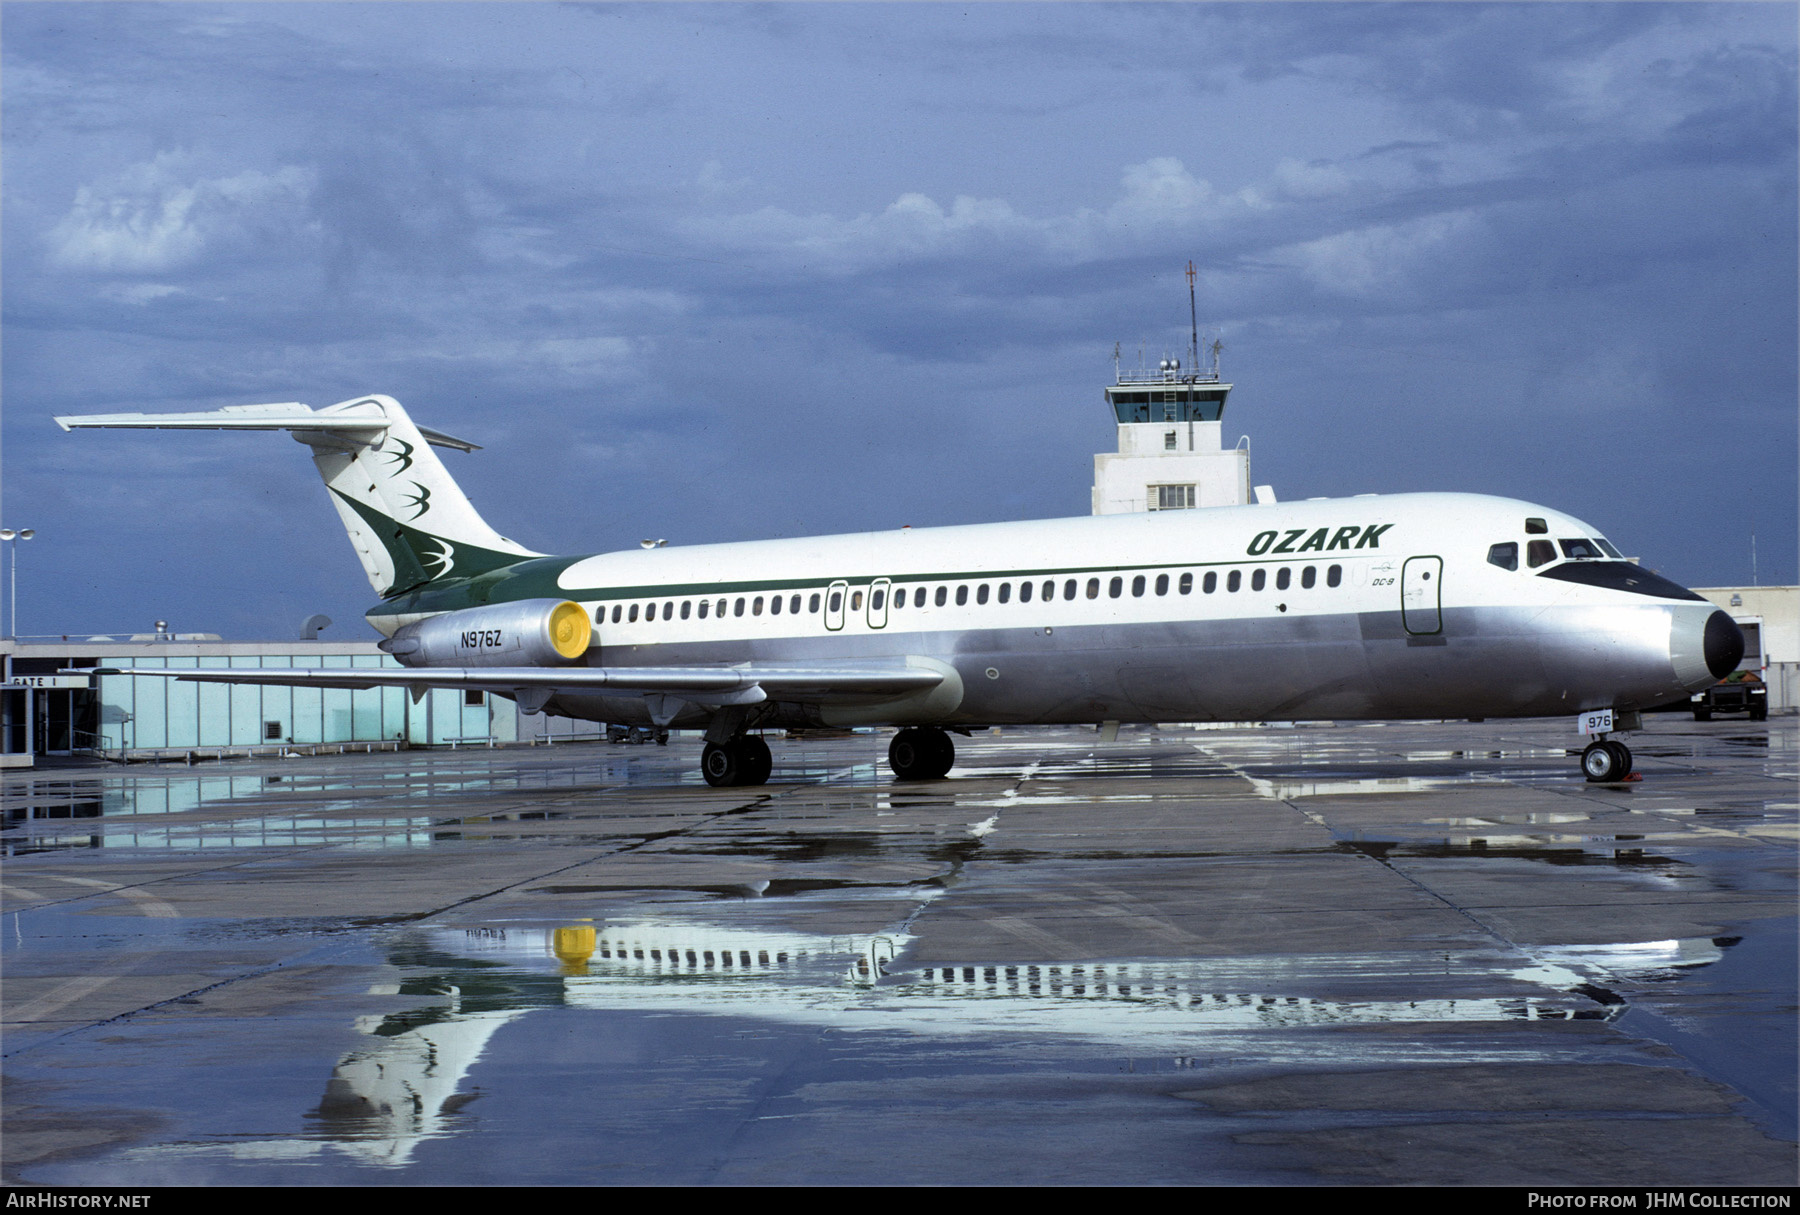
[(921, 753), (744, 760), (1606, 762)]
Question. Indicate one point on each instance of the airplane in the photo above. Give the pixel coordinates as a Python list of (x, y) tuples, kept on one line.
[(1405, 606)]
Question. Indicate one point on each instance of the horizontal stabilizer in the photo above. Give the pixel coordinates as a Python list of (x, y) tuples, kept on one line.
[(289, 416)]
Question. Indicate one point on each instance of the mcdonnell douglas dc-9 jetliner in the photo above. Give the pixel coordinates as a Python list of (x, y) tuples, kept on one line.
[(1403, 606)]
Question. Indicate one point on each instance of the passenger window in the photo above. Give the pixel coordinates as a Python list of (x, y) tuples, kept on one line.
[(919, 597), (737, 609), (669, 610), (981, 593), (1187, 584), (1050, 589), (1116, 588), (685, 606), (632, 618), (1162, 584), (1233, 580), (704, 604), (1536, 527), (875, 601), (1334, 575), (794, 605), (812, 604), (756, 606), (1093, 588), (616, 610), (1025, 589), (942, 594), (900, 598), (1308, 576), (1005, 592), (1137, 587), (775, 605), (1506, 556), (856, 601), (1283, 576), (1069, 589), (962, 595), (1259, 579), (837, 599), (1212, 582), (1539, 552)]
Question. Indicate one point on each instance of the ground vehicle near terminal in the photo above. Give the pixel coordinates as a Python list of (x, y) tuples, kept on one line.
[(1402, 606), (1739, 692)]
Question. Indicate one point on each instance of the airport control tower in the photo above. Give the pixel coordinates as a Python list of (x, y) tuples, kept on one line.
[(1171, 454)]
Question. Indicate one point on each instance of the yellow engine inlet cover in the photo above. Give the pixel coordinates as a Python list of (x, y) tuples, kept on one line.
[(569, 629)]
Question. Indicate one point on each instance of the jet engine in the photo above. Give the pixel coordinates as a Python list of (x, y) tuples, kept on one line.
[(528, 633)]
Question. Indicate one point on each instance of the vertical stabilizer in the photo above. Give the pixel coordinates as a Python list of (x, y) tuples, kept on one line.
[(408, 520)]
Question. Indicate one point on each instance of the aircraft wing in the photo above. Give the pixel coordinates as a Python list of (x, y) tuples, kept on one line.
[(709, 686)]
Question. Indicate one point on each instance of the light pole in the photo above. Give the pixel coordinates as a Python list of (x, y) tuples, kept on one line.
[(13, 537)]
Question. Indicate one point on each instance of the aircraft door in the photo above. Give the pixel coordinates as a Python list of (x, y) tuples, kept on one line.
[(835, 597), (1422, 595), (879, 591)]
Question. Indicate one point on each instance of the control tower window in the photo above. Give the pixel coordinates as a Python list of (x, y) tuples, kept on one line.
[(1506, 556), (1170, 497)]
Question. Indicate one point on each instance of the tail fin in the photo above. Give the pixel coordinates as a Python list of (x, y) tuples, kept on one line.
[(407, 518)]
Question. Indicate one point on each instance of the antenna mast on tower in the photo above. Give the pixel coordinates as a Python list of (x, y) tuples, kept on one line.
[(1194, 322)]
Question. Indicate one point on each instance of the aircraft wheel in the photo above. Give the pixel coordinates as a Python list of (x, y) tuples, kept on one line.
[(921, 754), (943, 754), (757, 761), (722, 765), (909, 755), (1624, 754), (1601, 763)]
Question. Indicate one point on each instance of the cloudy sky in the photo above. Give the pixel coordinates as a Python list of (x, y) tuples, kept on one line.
[(727, 272)]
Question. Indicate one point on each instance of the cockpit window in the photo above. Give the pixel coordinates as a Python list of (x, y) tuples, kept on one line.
[(1539, 552), (1536, 527), (1578, 549), (1506, 556), (1607, 548)]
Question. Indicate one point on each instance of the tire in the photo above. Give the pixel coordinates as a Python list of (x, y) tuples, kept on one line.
[(943, 754), (910, 754), (757, 761), (722, 765), (1624, 754), (1600, 763)]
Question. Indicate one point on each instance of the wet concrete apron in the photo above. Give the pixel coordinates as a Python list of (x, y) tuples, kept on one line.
[(1378, 953)]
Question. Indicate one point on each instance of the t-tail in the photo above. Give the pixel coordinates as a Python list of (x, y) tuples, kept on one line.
[(410, 523)]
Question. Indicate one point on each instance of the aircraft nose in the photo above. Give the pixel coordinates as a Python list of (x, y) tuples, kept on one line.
[(1705, 645), (1723, 644)]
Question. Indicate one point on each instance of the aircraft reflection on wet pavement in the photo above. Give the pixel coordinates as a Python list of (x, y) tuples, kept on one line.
[(407, 1084)]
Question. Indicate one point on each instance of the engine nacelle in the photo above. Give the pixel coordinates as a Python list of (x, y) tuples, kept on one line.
[(529, 633)]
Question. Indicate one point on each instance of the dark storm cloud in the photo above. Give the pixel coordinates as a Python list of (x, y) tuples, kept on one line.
[(724, 271)]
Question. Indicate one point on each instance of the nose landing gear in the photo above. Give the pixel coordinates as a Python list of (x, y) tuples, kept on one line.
[(1606, 762)]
